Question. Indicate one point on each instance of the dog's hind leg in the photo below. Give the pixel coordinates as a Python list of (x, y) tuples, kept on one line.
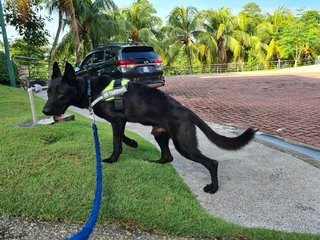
[(162, 138), (195, 155), (185, 141), (118, 131), (130, 142)]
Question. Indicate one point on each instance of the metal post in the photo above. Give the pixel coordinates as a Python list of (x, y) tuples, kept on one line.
[(33, 109), (6, 47)]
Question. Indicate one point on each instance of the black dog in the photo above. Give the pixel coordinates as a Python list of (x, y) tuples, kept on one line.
[(145, 105)]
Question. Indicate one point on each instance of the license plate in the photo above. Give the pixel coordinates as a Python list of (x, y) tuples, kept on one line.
[(145, 69)]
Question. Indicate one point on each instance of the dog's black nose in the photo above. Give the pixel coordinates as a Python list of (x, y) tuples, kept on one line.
[(46, 111)]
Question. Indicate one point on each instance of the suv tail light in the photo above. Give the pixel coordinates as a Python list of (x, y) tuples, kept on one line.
[(158, 64), (157, 61), (125, 66), (126, 63)]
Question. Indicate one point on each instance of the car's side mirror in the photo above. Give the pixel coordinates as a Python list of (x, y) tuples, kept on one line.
[(77, 68)]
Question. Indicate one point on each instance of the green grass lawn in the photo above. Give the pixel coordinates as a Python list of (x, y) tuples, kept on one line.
[(48, 172)]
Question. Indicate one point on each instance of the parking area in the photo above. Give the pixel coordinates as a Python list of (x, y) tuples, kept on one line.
[(284, 104)]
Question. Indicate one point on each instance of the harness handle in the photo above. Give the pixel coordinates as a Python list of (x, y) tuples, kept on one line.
[(91, 113)]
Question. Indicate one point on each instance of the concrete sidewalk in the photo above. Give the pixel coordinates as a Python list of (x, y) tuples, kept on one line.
[(259, 185)]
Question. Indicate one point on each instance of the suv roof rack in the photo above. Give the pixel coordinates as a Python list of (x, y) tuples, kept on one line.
[(119, 44)]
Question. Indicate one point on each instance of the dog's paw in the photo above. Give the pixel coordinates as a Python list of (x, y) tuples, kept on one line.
[(155, 161), (161, 161), (131, 143), (210, 188), (109, 160)]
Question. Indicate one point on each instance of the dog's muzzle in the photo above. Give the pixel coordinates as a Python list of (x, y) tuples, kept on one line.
[(52, 111), (47, 111)]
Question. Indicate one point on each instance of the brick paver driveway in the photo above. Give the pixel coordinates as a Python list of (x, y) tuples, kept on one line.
[(285, 105)]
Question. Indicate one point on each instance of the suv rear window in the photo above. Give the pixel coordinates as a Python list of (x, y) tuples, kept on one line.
[(139, 52)]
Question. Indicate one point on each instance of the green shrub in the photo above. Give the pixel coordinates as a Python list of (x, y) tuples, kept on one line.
[(4, 76)]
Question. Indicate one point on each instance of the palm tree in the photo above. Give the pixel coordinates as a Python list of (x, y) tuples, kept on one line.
[(96, 22), (243, 33), (66, 48), (274, 23), (253, 17), (250, 33), (219, 34), (140, 21), (70, 6), (64, 7), (60, 6), (183, 27)]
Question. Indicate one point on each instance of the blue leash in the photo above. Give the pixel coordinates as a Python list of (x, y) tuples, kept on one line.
[(87, 229)]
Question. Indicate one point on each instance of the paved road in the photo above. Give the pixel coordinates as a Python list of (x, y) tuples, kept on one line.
[(283, 103)]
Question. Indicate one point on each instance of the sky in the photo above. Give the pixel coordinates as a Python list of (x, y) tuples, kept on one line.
[(164, 7)]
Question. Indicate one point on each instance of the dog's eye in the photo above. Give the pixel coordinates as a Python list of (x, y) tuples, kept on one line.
[(60, 93)]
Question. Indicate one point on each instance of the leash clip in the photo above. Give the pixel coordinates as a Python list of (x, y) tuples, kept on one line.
[(91, 113)]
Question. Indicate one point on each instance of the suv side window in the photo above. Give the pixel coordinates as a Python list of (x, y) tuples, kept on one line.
[(98, 57), (109, 55), (87, 62), (110, 59)]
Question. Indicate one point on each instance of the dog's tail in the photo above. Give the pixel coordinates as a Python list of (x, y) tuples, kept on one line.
[(228, 143)]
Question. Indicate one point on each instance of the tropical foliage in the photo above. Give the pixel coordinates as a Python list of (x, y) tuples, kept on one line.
[(27, 21), (188, 37)]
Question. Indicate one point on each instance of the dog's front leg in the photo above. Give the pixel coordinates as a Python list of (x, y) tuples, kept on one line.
[(118, 126)]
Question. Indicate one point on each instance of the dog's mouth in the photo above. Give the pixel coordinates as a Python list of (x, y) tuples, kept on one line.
[(58, 117)]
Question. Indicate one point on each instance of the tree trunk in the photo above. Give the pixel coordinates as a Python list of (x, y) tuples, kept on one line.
[(55, 43), (296, 56), (222, 55), (76, 31), (189, 58), (135, 36)]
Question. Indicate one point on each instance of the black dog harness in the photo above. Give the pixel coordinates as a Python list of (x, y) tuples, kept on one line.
[(113, 92), (118, 100)]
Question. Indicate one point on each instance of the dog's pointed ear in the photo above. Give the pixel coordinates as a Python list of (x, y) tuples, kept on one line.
[(69, 73), (56, 71)]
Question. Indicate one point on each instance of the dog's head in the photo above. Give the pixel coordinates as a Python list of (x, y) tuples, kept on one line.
[(62, 91)]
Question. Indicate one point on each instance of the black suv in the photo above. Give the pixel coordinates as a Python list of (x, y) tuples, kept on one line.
[(138, 63)]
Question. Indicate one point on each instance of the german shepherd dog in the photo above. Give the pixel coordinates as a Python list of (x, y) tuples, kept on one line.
[(145, 105)]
